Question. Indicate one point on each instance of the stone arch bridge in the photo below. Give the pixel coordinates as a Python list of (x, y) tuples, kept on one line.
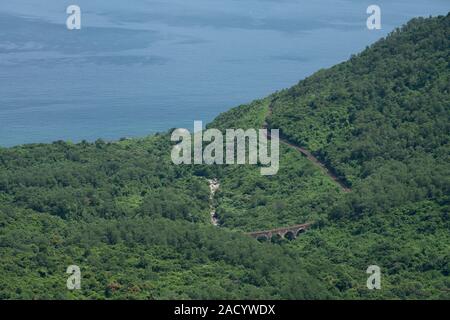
[(291, 232)]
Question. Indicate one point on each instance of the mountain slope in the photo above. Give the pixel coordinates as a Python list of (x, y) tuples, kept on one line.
[(139, 227), (381, 122), (390, 102)]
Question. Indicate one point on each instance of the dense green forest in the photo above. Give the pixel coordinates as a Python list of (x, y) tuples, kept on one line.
[(139, 226)]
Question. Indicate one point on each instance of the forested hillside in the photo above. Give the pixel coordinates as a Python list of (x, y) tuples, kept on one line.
[(380, 121), (139, 226)]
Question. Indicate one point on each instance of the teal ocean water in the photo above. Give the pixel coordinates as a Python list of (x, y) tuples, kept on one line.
[(140, 67)]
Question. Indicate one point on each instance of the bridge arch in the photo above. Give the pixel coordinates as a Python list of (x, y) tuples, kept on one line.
[(262, 237), (275, 235), (290, 235)]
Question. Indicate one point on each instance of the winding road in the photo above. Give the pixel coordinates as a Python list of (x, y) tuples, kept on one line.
[(297, 229), (307, 154)]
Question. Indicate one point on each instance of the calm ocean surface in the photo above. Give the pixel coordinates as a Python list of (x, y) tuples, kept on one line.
[(139, 67)]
